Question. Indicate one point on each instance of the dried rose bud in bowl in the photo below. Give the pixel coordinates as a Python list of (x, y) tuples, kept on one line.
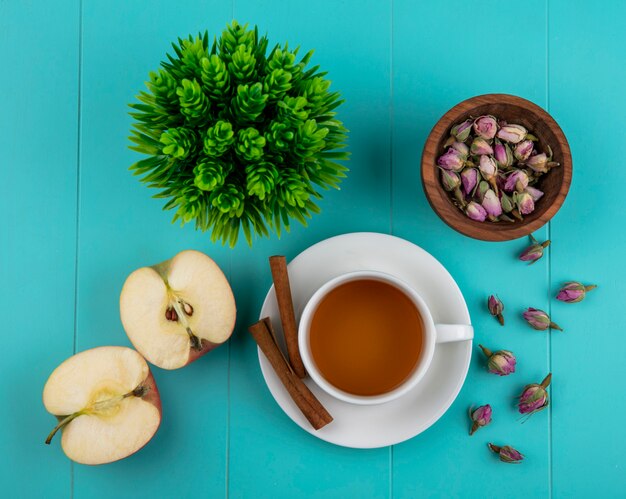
[(513, 162)]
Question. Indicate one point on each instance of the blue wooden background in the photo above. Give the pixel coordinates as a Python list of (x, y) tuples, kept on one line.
[(75, 223)]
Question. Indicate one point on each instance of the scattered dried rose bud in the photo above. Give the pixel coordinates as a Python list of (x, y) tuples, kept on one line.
[(451, 160), (486, 127), (573, 292), (512, 133), (535, 251), (538, 163), (496, 307), (469, 177), (480, 146), (524, 202), (475, 211), (461, 131), (507, 454), (534, 397), (503, 154), (450, 180), (501, 362), (492, 206), (461, 148), (540, 320), (535, 193), (480, 417), (516, 181), (523, 150)]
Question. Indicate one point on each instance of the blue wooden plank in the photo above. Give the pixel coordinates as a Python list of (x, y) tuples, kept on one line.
[(38, 130), (444, 52), (269, 455), (122, 228), (587, 74)]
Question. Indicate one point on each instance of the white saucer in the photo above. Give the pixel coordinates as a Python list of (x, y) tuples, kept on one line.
[(373, 426)]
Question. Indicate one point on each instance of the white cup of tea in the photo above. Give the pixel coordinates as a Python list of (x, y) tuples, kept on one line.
[(367, 337)]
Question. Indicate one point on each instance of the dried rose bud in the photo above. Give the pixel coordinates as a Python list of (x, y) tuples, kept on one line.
[(488, 167), (573, 292), (525, 203), (503, 154), (523, 150), (516, 181), (450, 180), (535, 251), (535, 193), (480, 146), (538, 163), (507, 454), (512, 133), (507, 203), (534, 397), (486, 127), (475, 211), (481, 416), (501, 362), (469, 177), (496, 307), (461, 148), (491, 203), (539, 320), (451, 160), (483, 187), (461, 131)]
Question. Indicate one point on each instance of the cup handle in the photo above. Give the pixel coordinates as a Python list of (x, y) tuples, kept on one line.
[(447, 333)]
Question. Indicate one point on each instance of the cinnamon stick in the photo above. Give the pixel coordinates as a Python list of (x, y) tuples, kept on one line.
[(280, 276), (308, 404)]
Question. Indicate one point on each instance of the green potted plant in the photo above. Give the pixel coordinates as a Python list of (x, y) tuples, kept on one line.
[(239, 137)]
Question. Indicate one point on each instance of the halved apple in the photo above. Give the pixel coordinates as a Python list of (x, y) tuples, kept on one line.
[(178, 310), (107, 404)]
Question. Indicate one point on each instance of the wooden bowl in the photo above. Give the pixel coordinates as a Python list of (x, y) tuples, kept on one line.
[(555, 184)]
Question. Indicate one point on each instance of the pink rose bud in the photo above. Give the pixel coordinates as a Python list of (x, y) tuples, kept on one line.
[(535, 251), (461, 148), (523, 150), (451, 160), (538, 163), (488, 167), (573, 292), (475, 211), (534, 397), (450, 180), (461, 131), (480, 146), (503, 154), (525, 203), (516, 181), (507, 203), (512, 133), (486, 127), (539, 320), (480, 417), (536, 194), (491, 203), (501, 362), (496, 307), (506, 453), (469, 177)]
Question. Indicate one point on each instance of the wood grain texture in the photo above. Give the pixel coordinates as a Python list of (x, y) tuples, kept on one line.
[(555, 184)]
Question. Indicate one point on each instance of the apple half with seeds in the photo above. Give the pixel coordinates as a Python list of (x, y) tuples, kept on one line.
[(178, 310), (107, 404)]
